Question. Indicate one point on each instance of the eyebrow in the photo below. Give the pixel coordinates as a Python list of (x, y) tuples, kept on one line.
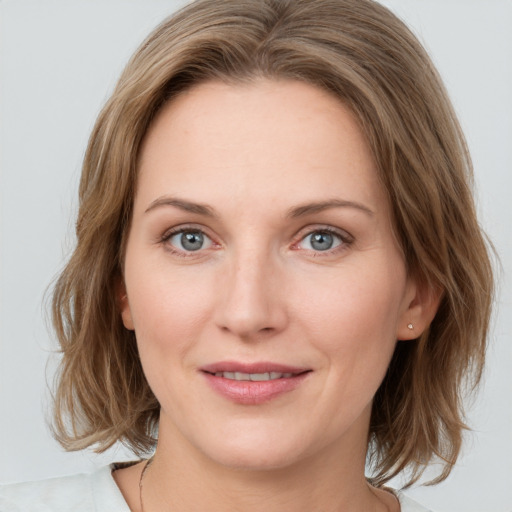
[(182, 204), (298, 211), (310, 208)]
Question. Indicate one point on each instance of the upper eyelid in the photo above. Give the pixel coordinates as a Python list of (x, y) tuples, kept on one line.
[(168, 233), (308, 230)]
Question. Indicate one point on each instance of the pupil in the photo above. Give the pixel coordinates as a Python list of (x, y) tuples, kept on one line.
[(192, 241), (321, 241)]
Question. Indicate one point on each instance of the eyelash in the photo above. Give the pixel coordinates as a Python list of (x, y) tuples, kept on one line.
[(344, 238), (166, 237)]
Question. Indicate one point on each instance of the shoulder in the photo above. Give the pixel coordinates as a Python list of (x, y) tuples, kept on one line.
[(94, 492), (409, 505)]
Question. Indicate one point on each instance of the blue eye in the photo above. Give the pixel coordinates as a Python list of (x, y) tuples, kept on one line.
[(190, 240), (321, 240)]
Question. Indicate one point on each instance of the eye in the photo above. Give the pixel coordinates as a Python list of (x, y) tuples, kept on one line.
[(321, 240), (189, 240)]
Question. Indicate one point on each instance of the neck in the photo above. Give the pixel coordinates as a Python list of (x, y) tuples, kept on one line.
[(183, 479)]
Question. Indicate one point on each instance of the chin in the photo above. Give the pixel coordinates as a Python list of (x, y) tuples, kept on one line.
[(258, 452)]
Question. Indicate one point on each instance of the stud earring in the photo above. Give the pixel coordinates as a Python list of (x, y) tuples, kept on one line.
[(410, 326)]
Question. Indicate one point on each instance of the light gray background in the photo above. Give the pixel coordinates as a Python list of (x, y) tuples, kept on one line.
[(59, 59)]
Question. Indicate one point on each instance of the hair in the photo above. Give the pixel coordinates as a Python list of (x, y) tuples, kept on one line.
[(365, 56)]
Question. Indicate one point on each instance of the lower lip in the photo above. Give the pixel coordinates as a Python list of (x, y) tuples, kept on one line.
[(253, 392)]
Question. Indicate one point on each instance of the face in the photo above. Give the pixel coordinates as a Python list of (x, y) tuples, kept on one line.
[(263, 280)]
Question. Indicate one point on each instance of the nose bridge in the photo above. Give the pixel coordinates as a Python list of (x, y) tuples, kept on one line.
[(250, 301)]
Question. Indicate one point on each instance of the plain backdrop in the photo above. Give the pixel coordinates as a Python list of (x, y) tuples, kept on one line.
[(59, 59)]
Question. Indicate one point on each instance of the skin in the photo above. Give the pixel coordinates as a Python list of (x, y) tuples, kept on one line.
[(260, 290)]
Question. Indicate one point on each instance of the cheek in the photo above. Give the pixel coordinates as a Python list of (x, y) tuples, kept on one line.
[(168, 308), (168, 315), (353, 318), (355, 299)]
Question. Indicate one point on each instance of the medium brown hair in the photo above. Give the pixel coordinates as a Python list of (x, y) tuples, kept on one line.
[(365, 56)]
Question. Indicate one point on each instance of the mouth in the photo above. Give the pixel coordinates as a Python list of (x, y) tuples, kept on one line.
[(255, 383), (253, 377)]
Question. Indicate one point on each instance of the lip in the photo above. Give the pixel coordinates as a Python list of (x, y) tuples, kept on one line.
[(258, 367), (253, 392)]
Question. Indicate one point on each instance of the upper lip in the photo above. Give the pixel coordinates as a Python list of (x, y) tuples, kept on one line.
[(257, 367)]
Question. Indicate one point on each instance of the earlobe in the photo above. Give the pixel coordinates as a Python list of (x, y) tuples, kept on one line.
[(124, 306), (423, 303)]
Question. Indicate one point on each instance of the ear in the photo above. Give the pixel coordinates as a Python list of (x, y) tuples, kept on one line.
[(420, 307), (124, 305)]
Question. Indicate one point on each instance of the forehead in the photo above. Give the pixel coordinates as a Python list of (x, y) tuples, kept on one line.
[(257, 139)]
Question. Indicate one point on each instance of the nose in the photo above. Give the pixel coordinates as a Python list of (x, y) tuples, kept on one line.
[(251, 301)]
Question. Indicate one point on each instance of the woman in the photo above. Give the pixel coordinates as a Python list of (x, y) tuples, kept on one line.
[(279, 273)]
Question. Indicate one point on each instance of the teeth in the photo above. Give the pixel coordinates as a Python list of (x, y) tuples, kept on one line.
[(256, 377)]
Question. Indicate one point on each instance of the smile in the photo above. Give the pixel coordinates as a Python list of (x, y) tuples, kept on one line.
[(253, 383), (254, 377)]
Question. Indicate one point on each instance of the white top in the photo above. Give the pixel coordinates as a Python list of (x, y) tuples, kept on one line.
[(94, 492)]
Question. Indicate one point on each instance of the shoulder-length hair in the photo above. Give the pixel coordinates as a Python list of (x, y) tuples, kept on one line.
[(365, 56)]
